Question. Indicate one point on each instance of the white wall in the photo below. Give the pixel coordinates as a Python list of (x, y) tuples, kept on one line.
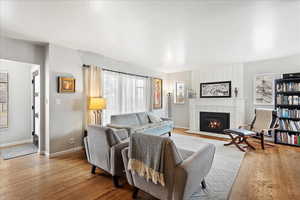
[(64, 112), (277, 66), (233, 73), (19, 110), (179, 112), (242, 77), (28, 52)]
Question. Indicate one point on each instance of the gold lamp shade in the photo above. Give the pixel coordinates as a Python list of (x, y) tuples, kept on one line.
[(96, 103)]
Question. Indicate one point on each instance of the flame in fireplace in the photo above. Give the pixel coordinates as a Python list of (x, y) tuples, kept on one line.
[(214, 124)]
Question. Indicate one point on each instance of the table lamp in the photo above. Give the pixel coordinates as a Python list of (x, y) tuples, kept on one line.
[(97, 104)]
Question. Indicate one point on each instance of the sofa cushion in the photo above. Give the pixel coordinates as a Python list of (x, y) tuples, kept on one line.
[(154, 118), (126, 120), (143, 118)]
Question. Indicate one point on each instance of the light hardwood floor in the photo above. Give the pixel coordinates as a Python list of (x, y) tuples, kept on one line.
[(264, 175)]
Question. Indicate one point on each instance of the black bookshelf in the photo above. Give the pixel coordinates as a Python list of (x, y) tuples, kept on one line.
[(287, 105)]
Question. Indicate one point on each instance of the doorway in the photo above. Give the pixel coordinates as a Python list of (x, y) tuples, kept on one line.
[(21, 135)]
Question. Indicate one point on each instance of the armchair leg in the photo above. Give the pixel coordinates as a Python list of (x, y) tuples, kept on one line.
[(262, 140), (135, 192), (116, 181), (203, 184), (93, 170)]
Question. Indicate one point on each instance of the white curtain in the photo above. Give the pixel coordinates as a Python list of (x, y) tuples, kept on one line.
[(92, 88), (125, 94)]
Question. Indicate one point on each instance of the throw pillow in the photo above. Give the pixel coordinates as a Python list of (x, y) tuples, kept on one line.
[(154, 118)]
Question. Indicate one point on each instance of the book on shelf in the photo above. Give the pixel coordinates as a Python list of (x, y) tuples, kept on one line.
[(288, 113), (289, 125), (288, 100), (284, 137), (288, 87)]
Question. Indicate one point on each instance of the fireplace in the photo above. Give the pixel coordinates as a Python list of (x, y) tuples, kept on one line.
[(214, 121)]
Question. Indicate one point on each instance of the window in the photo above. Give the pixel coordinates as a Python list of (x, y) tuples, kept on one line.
[(125, 94)]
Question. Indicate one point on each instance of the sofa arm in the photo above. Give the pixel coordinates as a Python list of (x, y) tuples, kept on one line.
[(116, 126), (190, 173)]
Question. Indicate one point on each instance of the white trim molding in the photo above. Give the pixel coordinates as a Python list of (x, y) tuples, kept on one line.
[(56, 154), (16, 143)]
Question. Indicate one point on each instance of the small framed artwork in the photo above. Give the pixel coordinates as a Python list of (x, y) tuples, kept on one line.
[(179, 93), (215, 89), (66, 85), (157, 93)]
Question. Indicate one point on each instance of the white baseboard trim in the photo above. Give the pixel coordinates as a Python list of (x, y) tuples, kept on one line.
[(208, 134), (181, 127), (52, 155), (16, 143)]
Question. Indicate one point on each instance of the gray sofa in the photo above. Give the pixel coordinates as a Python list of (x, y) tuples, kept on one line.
[(184, 171), (140, 122), (103, 148)]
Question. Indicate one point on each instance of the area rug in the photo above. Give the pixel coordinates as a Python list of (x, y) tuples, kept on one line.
[(226, 164), (18, 151)]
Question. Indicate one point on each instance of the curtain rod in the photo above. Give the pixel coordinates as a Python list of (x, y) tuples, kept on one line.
[(87, 66)]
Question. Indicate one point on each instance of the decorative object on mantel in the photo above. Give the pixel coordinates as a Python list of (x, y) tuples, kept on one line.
[(157, 93), (66, 85), (215, 89), (3, 100), (97, 104), (191, 93), (179, 92), (264, 89), (236, 92)]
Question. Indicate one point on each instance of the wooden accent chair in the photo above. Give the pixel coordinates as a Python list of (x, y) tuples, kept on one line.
[(265, 120)]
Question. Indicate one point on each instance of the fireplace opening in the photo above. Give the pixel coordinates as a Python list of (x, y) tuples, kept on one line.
[(214, 121)]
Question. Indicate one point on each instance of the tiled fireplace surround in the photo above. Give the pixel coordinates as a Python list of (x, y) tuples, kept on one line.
[(234, 106)]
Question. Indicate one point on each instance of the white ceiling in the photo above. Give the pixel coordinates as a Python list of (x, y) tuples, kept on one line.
[(162, 35)]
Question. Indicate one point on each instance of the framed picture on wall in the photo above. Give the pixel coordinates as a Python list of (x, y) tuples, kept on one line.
[(3, 100), (66, 85), (264, 89), (179, 93), (215, 89), (157, 93)]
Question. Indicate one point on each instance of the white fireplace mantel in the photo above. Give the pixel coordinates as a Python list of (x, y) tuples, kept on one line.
[(234, 106)]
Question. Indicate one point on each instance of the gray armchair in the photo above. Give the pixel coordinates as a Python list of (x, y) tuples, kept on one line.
[(103, 150), (184, 171)]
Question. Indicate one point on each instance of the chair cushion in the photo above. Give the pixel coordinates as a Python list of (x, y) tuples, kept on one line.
[(239, 131)]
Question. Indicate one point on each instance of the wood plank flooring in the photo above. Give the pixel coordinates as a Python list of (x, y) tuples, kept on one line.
[(264, 175)]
